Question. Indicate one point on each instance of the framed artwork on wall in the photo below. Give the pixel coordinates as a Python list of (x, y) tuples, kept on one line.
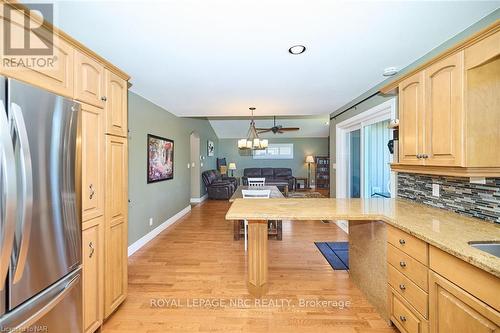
[(160, 159), (210, 148)]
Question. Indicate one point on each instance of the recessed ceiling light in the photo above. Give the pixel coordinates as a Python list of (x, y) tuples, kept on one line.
[(390, 71), (297, 49)]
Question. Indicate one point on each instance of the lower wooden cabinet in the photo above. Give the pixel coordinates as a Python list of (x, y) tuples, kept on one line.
[(403, 315), (93, 273), (116, 216), (454, 310)]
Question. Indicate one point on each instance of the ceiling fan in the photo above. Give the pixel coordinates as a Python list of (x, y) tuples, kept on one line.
[(277, 128)]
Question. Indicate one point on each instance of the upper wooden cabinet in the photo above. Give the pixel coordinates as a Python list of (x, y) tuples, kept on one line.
[(444, 94), (411, 115), (449, 111), (53, 72), (89, 80), (93, 162), (482, 81), (116, 105)]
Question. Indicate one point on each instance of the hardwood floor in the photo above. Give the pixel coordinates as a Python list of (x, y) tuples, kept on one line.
[(197, 260)]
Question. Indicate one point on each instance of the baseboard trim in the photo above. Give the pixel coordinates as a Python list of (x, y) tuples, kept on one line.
[(199, 200), (134, 247)]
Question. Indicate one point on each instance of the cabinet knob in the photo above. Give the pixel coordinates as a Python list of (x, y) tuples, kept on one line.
[(92, 250), (402, 287), (104, 98), (402, 241), (402, 318), (425, 156), (402, 264), (419, 155), (92, 191)]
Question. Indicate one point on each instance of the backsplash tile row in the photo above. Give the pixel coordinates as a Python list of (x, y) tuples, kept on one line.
[(456, 194)]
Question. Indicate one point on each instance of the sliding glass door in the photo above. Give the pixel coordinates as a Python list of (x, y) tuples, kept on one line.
[(363, 158)]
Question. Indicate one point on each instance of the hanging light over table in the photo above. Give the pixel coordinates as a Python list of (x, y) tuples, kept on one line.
[(252, 140)]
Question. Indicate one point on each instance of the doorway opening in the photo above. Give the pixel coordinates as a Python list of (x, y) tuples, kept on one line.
[(363, 159), (194, 164)]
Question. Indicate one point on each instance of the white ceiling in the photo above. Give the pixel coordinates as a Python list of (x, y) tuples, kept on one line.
[(310, 127), (217, 58)]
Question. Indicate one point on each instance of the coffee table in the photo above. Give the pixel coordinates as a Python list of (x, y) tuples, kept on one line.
[(281, 185), (274, 228)]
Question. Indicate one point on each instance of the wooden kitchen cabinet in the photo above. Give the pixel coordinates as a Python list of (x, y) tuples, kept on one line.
[(89, 80), (449, 111), (411, 115), (93, 274), (52, 72), (93, 162), (116, 105), (454, 310), (482, 80), (444, 101), (116, 223)]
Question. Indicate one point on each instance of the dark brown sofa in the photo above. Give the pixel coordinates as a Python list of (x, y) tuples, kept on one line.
[(219, 187), (271, 175)]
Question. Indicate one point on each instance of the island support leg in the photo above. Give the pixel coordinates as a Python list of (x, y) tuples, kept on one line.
[(257, 258)]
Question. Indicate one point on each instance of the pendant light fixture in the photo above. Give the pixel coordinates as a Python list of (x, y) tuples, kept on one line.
[(252, 141)]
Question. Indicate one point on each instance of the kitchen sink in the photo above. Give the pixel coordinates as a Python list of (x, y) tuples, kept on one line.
[(489, 247)]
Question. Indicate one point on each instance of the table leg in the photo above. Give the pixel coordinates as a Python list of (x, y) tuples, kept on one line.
[(279, 230), (286, 191), (236, 229), (257, 257)]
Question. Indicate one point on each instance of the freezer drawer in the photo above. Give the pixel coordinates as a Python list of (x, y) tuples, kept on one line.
[(58, 309)]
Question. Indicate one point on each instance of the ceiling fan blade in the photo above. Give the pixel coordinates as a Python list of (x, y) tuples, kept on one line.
[(289, 129), (263, 129), (260, 131)]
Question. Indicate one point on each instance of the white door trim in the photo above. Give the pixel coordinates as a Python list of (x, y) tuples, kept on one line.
[(383, 111)]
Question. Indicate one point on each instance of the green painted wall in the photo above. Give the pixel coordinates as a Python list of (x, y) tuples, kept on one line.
[(164, 199), (302, 146)]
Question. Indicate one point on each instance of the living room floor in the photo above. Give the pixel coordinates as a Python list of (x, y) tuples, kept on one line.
[(191, 278)]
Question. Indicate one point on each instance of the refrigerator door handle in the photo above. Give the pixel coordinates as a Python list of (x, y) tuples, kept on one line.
[(18, 131), (10, 189), (24, 326)]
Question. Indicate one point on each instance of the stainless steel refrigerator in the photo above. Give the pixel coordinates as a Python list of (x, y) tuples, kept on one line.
[(40, 219)]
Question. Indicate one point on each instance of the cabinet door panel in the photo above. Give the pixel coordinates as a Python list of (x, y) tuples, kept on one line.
[(89, 84), (116, 223), (444, 93), (53, 72), (92, 243), (454, 310), (482, 76), (93, 162), (411, 115), (116, 105)]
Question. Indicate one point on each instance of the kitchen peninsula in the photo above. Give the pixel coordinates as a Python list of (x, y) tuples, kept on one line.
[(423, 242)]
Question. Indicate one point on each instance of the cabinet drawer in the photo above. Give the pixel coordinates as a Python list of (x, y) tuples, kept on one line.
[(409, 244), (404, 318), (411, 268), (409, 290)]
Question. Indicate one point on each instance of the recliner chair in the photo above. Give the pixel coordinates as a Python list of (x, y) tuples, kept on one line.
[(218, 187)]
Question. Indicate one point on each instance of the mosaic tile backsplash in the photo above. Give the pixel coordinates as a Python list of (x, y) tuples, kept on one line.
[(456, 194)]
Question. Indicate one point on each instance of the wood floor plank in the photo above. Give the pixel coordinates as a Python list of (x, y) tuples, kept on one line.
[(197, 259)]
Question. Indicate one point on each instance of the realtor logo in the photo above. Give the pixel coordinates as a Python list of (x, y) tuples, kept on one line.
[(25, 36)]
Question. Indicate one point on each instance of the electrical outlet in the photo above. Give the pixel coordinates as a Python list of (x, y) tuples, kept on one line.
[(435, 190), (150, 221)]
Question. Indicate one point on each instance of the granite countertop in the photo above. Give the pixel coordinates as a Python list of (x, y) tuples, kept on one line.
[(445, 230)]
